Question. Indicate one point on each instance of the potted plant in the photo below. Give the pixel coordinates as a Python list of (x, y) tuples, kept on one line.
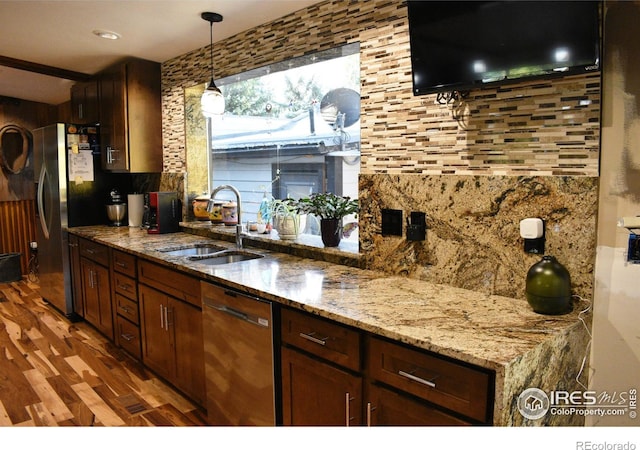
[(286, 218), (330, 209)]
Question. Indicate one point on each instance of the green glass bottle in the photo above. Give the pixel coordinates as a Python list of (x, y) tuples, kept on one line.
[(548, 287)]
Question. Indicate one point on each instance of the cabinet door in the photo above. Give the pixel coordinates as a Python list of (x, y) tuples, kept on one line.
[(315, 393), (113, 140), (185, 322), (386, 407), (84, 102), (97, 296), (157, 351)]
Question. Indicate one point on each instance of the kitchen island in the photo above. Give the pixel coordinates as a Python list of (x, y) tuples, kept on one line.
[(521, 349)]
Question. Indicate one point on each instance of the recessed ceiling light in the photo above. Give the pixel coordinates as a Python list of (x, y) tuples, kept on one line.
[(107, 34)]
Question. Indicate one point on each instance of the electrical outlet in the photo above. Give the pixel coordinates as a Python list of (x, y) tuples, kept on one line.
[(391, 222), (633, 252)]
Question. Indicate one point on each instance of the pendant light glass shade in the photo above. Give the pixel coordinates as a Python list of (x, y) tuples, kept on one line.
[(212, 101)]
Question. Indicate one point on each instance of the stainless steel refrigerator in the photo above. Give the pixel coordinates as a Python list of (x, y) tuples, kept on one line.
[(71, 190)]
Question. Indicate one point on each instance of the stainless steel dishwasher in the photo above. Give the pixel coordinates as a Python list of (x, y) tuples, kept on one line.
[(238, 357)]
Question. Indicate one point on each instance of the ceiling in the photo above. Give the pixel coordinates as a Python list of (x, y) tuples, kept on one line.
[(59, 34)]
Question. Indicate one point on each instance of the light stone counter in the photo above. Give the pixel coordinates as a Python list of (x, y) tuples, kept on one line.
[(523, 348)]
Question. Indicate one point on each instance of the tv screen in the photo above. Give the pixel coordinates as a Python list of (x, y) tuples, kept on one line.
[(464, 45)]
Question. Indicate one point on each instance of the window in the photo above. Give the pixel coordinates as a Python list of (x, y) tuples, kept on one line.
[(289, 129)]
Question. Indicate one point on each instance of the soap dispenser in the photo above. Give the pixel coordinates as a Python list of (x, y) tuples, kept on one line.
[(548, 287)]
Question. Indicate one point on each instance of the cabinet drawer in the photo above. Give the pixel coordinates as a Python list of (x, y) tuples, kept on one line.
[(125, 286), (127, 308), (454, 386), (96, 252), (124, 263), (128, 336), (328, 340), (170, 281)]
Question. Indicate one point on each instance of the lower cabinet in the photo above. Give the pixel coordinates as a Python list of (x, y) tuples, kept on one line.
[(336, 375), (124, 292), (387, 407), (315, 393), (94, 301), (172, 343), (97, 296)]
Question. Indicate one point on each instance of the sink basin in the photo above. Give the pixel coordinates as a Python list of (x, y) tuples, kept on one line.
[(191, 250), (226, 257)]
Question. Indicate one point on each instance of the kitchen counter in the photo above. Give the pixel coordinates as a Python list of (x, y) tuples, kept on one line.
[(523, 348)]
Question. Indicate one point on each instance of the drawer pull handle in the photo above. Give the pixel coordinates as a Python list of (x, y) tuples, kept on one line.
[(120, 264), (310, 337), (347, 409), (127, 337), (125, 309), (370, 409), (429, 383), (124, 287)]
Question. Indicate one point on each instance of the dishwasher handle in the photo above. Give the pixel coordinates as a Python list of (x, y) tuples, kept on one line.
[(255, 320)]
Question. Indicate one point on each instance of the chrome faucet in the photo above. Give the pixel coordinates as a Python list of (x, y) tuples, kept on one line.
[(228, 187)]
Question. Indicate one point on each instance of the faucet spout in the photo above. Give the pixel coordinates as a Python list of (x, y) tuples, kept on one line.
[(228, 187)]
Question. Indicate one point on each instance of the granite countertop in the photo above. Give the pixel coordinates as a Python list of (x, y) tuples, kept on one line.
[(486, 330)]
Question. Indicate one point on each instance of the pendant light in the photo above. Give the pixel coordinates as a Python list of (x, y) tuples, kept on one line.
[(212, 101)]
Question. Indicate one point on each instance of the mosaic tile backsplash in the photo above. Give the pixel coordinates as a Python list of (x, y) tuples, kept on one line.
[(548, 127)]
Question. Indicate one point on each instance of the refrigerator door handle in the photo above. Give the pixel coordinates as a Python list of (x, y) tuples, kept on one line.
[(41, 211)]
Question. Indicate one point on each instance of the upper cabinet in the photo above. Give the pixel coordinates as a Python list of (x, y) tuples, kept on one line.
[(131, 117), (84, 102)]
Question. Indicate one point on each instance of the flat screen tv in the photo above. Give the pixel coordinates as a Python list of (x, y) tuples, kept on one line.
[(464, 45)]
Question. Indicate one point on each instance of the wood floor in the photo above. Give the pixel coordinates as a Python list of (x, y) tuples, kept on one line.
[(57, 373)]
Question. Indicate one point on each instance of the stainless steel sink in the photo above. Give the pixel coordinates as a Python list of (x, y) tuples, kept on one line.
[(191, 250), (225, 257)]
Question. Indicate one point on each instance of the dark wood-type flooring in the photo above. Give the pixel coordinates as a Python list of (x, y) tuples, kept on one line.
[(56, 373)]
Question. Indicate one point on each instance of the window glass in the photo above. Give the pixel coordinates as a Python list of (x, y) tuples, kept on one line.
[(289, 130)]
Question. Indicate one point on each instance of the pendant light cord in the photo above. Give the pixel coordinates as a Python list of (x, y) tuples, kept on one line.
[(211, 48)]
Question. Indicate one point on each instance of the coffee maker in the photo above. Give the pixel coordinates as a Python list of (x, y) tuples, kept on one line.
[(162, 212)]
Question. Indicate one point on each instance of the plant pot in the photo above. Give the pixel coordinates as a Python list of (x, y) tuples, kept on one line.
[(288, 227), (331, 232)]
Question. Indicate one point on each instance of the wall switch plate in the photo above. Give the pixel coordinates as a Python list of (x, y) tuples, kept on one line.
[(391, 222), (417, 227), (633, 252)]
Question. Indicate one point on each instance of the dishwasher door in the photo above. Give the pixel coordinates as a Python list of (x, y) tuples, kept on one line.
[(238, 357)]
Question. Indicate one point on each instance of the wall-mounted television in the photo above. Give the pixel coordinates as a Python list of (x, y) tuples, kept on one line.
[(464, 45)]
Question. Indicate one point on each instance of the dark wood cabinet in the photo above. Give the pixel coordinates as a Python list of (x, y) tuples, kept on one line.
[(157, 345), (131, 117), (321, 383), (449, 384), (85, 106), (336, 375), (171, 330), (125, 295), (315, 393), (95, 286), (390, 408), (97, 296)]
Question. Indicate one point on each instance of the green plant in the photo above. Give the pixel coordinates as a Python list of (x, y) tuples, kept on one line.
[(287, 207), (285, 215), (328, 205)]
